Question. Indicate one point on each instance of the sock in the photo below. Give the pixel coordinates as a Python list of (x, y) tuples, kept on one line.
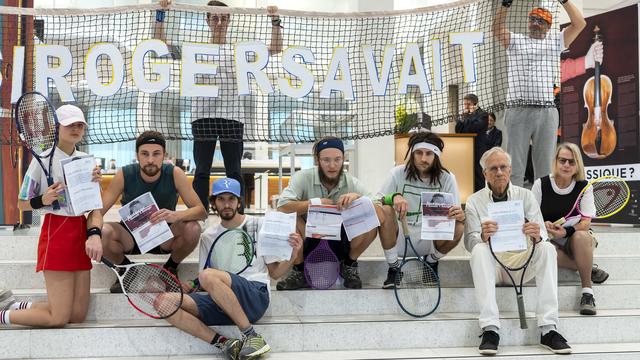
[(4, 317), (434, 256), (171, 264), (491, 328), (392, 256), (394, 265), (544, 329), (349, 262), (218, 340), (587, 291), (21, 305), (125, 261), (248, 331)]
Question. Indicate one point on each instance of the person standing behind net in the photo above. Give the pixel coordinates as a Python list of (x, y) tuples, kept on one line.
[(556, 194), (531, 114), (221, 118), (494, 135), (473, 120)]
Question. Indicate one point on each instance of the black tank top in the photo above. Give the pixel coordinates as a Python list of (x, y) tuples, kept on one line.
[(555, 206), (163, 190)]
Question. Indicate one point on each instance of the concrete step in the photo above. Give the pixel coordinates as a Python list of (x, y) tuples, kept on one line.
[(309, 333), (611, 296), (454, 271)]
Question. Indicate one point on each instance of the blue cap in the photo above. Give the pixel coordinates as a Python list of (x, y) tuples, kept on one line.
[(226, 185)]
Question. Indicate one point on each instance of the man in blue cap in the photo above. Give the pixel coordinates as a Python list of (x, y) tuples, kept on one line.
[(328, 184), (228, 298)]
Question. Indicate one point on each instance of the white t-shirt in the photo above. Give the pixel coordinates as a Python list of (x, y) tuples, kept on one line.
[(228, 105), (410, 190), (258, 270), (35, 181), (532, 65)]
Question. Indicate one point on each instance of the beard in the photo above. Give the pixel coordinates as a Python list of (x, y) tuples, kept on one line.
[(150, 170), (327, 181), (225, 216)]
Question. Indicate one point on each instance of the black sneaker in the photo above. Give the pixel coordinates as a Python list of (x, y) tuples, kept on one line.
[(350, 275), (587, 305), (294, 281), (489, 343), (598, 276), (555, 342), (392, 277)]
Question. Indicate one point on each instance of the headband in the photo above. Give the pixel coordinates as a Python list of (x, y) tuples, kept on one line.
[(429, 146), (328, 144), (542, 13), (150, 140)]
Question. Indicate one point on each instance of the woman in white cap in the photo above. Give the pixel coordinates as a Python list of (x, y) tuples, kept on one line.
[(67, 242)]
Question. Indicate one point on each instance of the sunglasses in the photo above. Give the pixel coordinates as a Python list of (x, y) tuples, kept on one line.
[(537, 20), (563, 161)]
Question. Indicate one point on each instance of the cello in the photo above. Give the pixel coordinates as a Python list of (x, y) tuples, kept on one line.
[(598, 133)]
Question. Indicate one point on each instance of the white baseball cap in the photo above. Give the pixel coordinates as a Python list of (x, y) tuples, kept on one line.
[(69, 114)]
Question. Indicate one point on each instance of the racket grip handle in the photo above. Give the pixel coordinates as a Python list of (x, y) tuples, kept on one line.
[(405, 227), (107, 262), (521, 313)]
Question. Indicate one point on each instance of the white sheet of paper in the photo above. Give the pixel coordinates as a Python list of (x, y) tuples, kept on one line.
[(273, 238), (510, 218), (323, 222), (435, 223), (84, 194), (359, 218), (135, 216)]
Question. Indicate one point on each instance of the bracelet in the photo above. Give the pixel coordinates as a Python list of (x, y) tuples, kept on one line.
[(388, 199), (570, 231), (36, 202), (507, 3), (277, 22), (160, 15), (315, 201), (562, 2), (94, 231)]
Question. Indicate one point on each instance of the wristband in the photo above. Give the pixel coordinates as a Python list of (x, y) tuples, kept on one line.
[(160, 15), (563, 1), (507, 3), (94, 231), (570, 231), (277, 22), (36, 202), (315, 201), (388, 199)]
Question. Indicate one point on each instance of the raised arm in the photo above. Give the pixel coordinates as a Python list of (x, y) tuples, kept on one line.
[(500, 30), (577, 22), (158, 26), (275, 46)]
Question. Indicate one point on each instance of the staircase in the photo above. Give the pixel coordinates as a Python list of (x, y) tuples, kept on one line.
[(343, 324)]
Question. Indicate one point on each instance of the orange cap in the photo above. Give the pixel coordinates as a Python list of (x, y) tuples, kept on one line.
[(542, 13)]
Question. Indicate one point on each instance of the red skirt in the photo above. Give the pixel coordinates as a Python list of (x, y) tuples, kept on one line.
[(61, 245)]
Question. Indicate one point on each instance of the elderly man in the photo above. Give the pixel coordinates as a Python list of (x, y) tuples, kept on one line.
[(496, 165), (531, 113)]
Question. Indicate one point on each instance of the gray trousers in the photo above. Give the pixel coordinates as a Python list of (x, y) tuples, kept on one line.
[(538, 124)]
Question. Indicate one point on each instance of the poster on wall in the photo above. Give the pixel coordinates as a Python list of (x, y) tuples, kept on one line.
[(599, 101)]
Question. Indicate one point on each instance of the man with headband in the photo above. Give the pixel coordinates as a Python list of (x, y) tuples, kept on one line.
[(165, 182), (327, 184), (401, 195), (531, 113)]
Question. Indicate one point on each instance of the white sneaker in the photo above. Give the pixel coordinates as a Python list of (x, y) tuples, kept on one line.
[(6, 299)]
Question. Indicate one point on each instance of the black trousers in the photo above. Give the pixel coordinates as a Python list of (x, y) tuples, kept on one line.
[(205, 133)]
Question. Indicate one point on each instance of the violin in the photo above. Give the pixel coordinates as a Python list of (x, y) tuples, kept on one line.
[(598, 133)]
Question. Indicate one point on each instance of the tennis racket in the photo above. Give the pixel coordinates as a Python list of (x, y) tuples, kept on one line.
[(232, 251), (321, 267), (417, 287), (37, 126), (601, 198), (150, 288), (512, 262)]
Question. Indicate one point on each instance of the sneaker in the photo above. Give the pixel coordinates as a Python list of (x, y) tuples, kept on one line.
[(294, 281), (350, 276), (254, 346), (230, 348), (598, 276), (392, 275), (555, 342), (587, 305), (6, 299), (489, 343)]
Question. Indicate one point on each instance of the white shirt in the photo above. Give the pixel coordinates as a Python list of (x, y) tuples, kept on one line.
[(532, 65), (35, 181)]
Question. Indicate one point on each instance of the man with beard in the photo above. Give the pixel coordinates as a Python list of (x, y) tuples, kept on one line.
[(327, 184), (401, 195), (229, 299), (165, 182), (531, 113)]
